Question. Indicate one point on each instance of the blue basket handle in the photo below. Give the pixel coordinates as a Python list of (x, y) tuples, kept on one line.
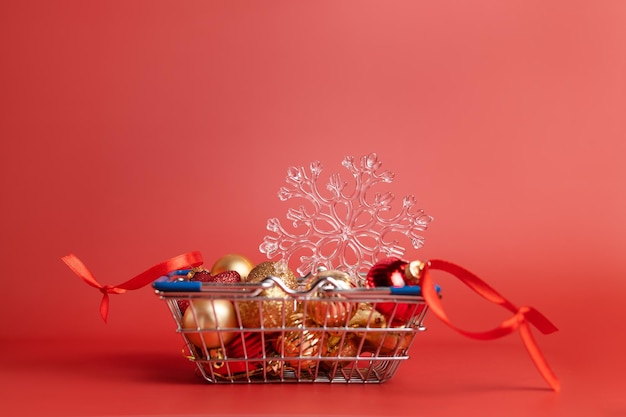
[(410, 290), (178, 286)]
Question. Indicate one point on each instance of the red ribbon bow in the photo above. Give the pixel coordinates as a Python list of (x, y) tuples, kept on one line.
[(521, 320), (183, 261)]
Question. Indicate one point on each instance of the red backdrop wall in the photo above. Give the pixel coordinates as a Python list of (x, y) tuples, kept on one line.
[(135, 131)]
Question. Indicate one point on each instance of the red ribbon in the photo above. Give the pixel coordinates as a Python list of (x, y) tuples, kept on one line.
[(183, 261), (521, 320)]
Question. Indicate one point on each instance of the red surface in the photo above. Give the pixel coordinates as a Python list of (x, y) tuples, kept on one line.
[(136, 131)]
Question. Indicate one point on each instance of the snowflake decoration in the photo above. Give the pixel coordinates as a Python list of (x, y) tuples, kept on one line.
[(344, 230)]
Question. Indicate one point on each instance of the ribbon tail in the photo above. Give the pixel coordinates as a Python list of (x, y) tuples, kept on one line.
[(104, 306), (540, 321), (537, 357)]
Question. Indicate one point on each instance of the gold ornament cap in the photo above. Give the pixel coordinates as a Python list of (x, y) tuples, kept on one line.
[(413, 271)]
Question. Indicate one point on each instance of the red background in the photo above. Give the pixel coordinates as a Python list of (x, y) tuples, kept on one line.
[(133, 131)]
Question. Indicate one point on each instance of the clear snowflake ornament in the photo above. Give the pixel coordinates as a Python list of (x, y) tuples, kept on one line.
[(343, 228)]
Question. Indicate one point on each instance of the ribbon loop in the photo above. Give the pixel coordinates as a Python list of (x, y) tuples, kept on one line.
[(186, 260)]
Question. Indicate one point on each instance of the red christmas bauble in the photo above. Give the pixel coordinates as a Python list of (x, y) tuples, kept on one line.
[(395, 272), (202, 275), (236, 359)]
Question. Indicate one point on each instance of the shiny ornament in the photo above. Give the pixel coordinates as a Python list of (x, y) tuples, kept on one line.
[(390, 342), (273, 305), (340, 346), (231, 362), (276, 269), (388, 272), (366, 316), (209, 317), (224, 277), (327, 308), (395, 272), (233, 262), (331, 312), (297, 346), (202, 275)]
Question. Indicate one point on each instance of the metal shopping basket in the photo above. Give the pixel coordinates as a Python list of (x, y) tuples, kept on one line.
[(323, 333)]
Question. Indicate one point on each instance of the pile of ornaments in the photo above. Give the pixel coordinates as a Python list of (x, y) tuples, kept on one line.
[(275, 331)]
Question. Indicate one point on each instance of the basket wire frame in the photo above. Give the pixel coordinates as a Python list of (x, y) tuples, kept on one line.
[(296, 350)]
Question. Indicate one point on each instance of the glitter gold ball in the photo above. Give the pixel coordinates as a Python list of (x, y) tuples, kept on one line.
[(266, 269), (273, 305)]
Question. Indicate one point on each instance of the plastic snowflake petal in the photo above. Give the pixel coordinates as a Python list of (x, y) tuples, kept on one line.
[(343, 228)]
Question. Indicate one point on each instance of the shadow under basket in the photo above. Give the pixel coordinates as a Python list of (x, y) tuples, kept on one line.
[(267, 333)]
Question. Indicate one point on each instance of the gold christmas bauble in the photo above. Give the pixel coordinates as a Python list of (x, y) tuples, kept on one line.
[(233, 262), (297, 346), (333, 311), (276, 269), (273, 305), (327, 308), (209, 318), (390, 342), (268, 311), (340, 346), (367, 316)]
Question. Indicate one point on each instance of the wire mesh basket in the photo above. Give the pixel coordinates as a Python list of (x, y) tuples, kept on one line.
[(321, 333)]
